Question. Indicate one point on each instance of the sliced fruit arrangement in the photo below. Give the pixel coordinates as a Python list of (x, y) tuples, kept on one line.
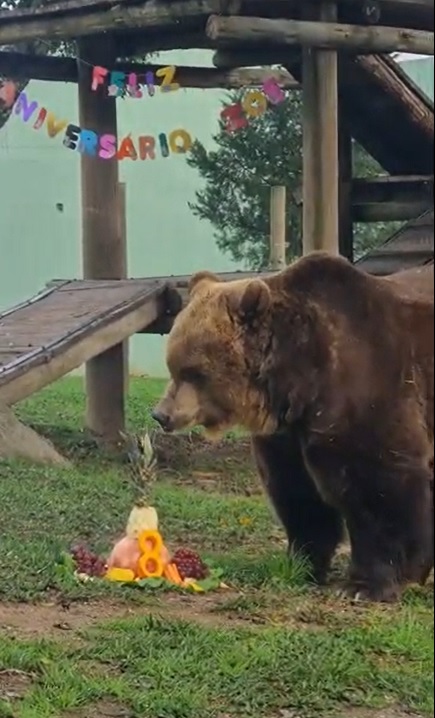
[(141, 555), (135, 560)]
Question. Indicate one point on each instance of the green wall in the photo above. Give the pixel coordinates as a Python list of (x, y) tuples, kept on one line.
[(38, 242), (422, 72)]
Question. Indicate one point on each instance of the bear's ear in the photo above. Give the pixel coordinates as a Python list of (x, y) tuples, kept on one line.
[(253, 302), (201, 278)]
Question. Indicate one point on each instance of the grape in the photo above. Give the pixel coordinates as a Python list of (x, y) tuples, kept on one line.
[(87, 562)]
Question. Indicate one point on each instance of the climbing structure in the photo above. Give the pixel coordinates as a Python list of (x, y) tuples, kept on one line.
[(337, 52)]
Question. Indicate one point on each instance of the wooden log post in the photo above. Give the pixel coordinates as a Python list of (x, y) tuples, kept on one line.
[(264, 32), (345, 173), (320, 147), (103, 244), (122, 218), (277, 228)]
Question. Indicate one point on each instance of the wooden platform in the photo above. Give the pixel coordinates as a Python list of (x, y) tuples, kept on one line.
[(68, 324), (382, 106), (411, 246), (73, 321)]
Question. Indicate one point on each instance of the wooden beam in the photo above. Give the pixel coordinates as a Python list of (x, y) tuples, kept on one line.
[(427, 4), (345, 164), (392, 189), (252, 57), (79, 352), (326, 35), (278, 227), (118, 18), (122, 218), (384, 199), (389, 211), (396, 82), (320, 148), (104, 251), (66, 7), (64, 69), (51, 8)]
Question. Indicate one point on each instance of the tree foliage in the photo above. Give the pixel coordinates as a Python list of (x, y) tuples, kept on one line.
[(39, 47), (239, 172)]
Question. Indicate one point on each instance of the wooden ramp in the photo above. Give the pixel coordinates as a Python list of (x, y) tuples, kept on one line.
[(68, 324), (411, 246), (386, 112)]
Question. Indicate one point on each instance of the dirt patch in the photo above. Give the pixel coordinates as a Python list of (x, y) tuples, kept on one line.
[(14, 684), (357, 713), (102, 709), (54, 621), (387, 713), (225, 467), (181, 451)]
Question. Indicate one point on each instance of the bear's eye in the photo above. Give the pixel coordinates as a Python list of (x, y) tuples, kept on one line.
[(192, 375)]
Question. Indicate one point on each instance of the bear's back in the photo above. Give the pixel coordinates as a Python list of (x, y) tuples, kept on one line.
[(416, 283), (416, 288)]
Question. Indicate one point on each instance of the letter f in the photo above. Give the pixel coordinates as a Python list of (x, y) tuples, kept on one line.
[(98, 76)]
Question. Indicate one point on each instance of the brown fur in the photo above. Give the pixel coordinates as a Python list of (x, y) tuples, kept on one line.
[(331, 370)]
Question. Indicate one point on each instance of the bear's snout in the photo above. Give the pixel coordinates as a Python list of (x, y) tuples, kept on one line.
[(163, 419)]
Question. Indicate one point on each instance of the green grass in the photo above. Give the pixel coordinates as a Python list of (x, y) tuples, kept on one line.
[(271, 644)]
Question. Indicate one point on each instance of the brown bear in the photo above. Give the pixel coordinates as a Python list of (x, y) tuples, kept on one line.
[(331, 371)]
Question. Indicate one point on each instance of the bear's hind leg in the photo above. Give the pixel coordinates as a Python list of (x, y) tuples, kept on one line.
[(314, 529), (390, 524)]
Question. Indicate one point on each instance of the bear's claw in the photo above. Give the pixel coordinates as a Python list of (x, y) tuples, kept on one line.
[(376, 594)]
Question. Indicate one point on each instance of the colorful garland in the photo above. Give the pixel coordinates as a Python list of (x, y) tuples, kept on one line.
[(253, 105), (122, 84), (105, 146)]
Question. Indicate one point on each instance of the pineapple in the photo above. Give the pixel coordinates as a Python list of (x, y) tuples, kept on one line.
[(143, 462)]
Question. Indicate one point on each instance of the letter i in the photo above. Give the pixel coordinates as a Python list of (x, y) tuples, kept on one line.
[(164, 148), (150, 83), (40, 119)]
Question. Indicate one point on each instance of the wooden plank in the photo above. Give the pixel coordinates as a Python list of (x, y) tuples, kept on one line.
[(71, 6), (382, 108), (118, 18), (392, 189), (122, 217), (396, 82), (389, 211), (61, 339), (326, 35), (386, 199), (88, 345), (345, 164), (320, 149), (56, 8), (277, 227), (103, 247), (64, 69)]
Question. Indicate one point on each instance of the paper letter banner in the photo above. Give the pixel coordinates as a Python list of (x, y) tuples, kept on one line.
[(104, 147), (254, 104), (123, 84)]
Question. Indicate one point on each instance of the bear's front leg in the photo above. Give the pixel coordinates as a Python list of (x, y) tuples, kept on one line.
[(314, 529), (389, 518)]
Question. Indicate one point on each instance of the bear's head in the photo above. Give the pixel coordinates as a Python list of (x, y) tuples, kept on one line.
[(214, 355)]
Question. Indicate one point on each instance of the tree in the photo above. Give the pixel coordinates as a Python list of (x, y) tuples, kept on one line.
[(238, 175), (10, 88)]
